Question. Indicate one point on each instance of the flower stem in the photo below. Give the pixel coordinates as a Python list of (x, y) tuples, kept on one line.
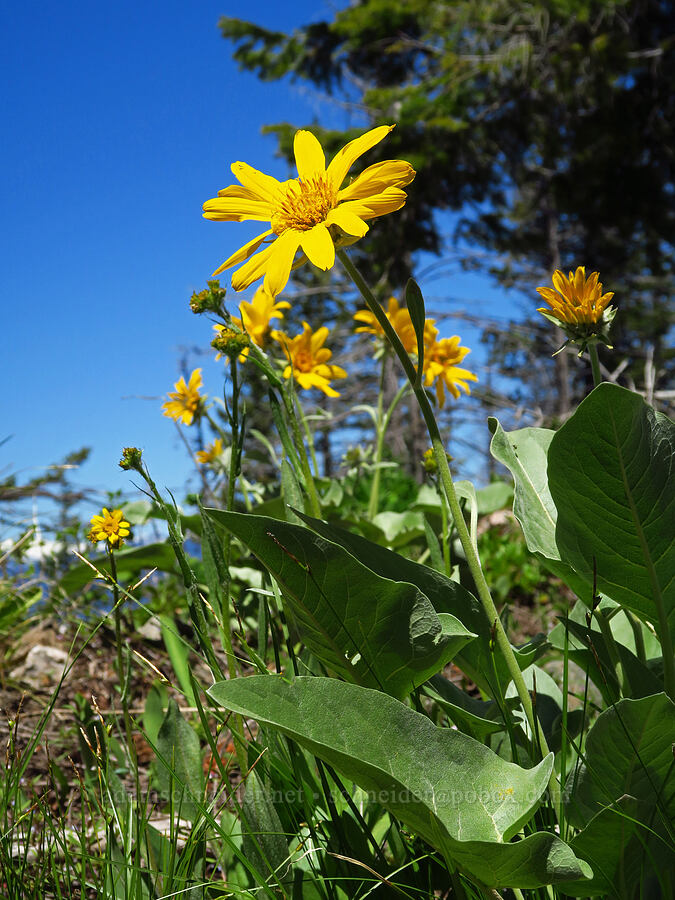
[(225, 630), (379, 444), (383, 420), (308, 434), (121, 668), (233, 471), (470, 549), (315, 505), (595, 364)]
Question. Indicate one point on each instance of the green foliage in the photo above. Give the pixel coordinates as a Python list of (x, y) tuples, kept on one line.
[(450, 789), (611, 482), (361, 626), (179, 763), (403, 745), (516, 575), (622, 797)]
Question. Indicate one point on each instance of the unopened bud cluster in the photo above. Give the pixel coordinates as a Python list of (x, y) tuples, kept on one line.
[(131, 458), (209, 300), (230, 342)]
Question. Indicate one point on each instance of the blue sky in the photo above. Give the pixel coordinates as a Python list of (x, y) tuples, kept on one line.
[(119, 120)]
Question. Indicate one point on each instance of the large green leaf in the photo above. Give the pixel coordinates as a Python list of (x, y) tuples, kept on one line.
[(264, 841), (525, 453), (610, 468), (179, 762), (477, 659), (365, 628), (448, 788), (628, 755)]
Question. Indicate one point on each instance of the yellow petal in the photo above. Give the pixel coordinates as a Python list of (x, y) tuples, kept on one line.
[(195, 381), (252, 269), (309, 155), (330, 371), (318, 338), (319, 247), (374, 179), (561, 284), (345, 158), (237, 209), (280, 261), (263, 186), (308, 380), (236, 190), (348, 221), (388, 201), (243, 252)]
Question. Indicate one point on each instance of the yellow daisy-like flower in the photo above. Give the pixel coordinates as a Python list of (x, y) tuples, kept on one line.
[(257, 315), (400, 321), (212, 451), (440, 365), (312, 213), (576, 300), (110, 527), (185, 402), (308, 359)]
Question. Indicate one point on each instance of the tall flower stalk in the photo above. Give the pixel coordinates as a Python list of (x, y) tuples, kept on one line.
[(470, 550)]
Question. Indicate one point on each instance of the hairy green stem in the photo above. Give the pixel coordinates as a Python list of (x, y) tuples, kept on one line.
[(595, 364), (379, 444), (308, 434), (470, 550), (382, 428), (315, 505), (237, 729), (121, 673), (445, 536), (232, 474)]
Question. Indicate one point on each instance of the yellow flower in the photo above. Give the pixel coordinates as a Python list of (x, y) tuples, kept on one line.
[(186, 402), (400, 321), (308, 359), (312, 213), (576, 300), (257, 315), (440, 364), (213, 451), (110, 527)]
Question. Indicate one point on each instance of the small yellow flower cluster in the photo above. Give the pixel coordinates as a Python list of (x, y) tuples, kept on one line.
[(110, 527), (441, 357)]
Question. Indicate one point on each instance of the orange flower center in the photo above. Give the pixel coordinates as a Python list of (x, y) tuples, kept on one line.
[(303, 361), (303, 205)]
